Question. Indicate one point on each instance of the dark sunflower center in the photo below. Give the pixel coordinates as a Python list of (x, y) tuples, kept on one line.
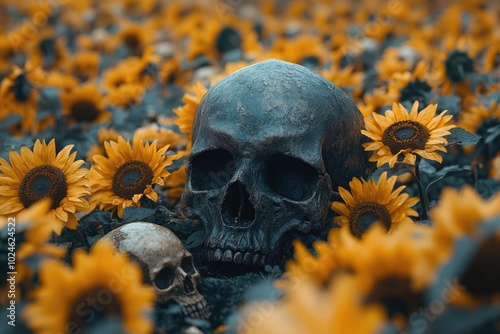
[(228, 39), (458, 66), (84, 111), (118, 82), (132, 41), (132, 178), (43, 181), (21, 88), (482, 277), (404, 135), (365, 214), (310, 61), (416, 91), (92, 309), (48, 47), (396, 295)]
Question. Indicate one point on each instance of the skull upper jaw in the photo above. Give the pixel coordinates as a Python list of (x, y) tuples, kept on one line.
[(238, 246)]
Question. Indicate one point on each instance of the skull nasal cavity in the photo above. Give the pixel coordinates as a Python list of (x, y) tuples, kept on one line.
[(188, 285), (237, 211)]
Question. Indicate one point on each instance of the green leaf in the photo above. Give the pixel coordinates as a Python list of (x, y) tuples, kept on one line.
[(492, 134), (454, 170), (399, 168), (134, 214), (460, 136), (195, 240), (427, 171)]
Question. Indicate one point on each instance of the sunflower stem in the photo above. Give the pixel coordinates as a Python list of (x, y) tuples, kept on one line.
[(82, 239), (423, 198)]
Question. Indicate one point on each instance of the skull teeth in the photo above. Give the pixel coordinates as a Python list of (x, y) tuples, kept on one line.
[(217, 255), (197, 310), (247, 259), (238, 258), (229, 256)]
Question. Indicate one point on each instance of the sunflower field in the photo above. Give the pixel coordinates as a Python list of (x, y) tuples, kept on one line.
[(97, 104)]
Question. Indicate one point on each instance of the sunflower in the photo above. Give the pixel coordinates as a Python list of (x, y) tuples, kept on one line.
[(345, 77), (217, 37), (479, 118), (412, 85), (459, 213), (369, 202), (85, 64), (125, 96), (18, 95), (478, 283), (332, 256), (400, 135), (145, 71), (102, 285), (102, 136), (141, 7), (163, 136), (33, 175), (171, 71), (192, 98), (408, 252), (33, 229), (37, 231), (454, 66), (375, 100), (175, 184), (135, 36), (183, 18), (395, 269), (394, 61), (127, 173), (312, 308), (63, 82), (463, 214), (118, 75), (187, 112), (304, 49), (84, 104), (48, 50)]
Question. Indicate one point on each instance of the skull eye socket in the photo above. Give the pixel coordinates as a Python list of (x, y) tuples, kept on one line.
[(291, 177), (211, 170), (188, 266), (165, 278)]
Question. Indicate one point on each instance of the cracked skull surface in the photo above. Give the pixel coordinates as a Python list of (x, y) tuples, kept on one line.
[(165, 263), (270, 142)]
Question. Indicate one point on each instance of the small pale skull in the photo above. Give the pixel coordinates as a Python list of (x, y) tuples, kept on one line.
[(165, 263), (271, 142)]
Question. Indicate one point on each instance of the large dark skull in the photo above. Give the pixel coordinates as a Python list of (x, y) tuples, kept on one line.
[(270, 142)]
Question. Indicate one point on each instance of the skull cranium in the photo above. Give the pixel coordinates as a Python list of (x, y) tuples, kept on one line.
[(270, 142), (165, 262)]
